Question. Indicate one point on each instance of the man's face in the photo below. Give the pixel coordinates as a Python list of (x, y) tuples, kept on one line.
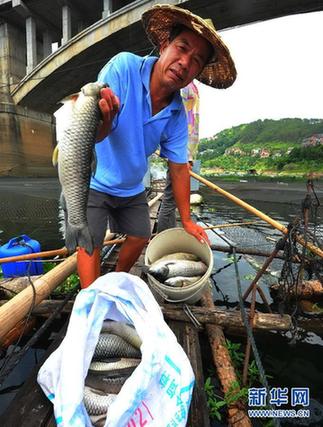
[(182, 59)]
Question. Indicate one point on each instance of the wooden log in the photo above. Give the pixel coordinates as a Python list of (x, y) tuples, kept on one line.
[(11, 287), (237, 415), (307, 289), (21, 328), (217, 316), (230, 319), (250, 251), (18, 307)]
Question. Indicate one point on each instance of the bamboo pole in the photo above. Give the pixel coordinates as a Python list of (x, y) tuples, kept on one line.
[(230, 224), (63, 252), (250, 251), (155, 199), (18, 307), (256, 212)]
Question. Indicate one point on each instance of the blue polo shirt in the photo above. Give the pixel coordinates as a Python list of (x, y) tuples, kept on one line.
[(136, 134)]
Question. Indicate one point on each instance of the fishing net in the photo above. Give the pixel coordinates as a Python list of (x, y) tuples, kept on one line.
[(309, 263)]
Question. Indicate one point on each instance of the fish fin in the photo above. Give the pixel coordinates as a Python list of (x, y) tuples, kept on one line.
[(62, 202), (94, 162), (72, 97), (78, 236), (63, 116), (55, 156)]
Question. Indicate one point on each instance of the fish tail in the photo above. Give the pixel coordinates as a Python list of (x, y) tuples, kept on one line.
[(78, 236)]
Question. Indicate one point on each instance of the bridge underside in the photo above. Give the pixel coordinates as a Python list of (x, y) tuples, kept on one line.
[(44, 94)]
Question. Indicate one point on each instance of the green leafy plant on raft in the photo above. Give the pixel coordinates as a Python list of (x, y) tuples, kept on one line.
[(236, 392), (70, 283)]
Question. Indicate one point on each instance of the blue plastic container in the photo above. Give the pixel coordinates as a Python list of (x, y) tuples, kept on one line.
[(20, 245)]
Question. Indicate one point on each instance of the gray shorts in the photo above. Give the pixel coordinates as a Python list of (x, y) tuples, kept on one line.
[(126, 215)]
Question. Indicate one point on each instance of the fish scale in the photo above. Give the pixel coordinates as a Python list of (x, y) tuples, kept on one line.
[(97, 404), (110, 345)]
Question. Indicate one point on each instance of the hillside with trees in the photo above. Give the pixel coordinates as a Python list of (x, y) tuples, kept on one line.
[(285, 147)]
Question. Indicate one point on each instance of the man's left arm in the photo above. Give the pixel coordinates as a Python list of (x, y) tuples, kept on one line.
[(180, 178)]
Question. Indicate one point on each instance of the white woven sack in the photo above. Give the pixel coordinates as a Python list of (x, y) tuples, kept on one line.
[(159, 391)]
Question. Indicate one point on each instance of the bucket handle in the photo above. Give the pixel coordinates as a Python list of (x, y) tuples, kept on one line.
[(172, 300), (16, 241)]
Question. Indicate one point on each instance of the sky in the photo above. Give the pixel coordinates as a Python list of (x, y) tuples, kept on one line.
[(280, 74)]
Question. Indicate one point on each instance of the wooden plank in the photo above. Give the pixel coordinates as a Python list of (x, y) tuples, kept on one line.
[(187, 336), (30, 407)]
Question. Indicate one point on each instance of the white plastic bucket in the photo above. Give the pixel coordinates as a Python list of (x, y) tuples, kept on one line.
[(177, 240)]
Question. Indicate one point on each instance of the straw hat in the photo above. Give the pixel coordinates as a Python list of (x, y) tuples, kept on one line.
[(158, 23)]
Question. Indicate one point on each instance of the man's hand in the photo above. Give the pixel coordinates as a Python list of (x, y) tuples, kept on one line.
[(196, 231), (109, 106)]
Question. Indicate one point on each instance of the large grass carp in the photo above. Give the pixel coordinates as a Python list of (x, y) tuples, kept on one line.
[(163, 270), (110, 345), (105, 384), (75, 159), (96, 402), (113, 364), (127, 332), (180, 281)]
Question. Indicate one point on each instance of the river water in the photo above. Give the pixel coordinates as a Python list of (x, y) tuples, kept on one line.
[(30, 206)]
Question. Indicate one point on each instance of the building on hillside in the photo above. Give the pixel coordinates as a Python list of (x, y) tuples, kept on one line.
[(264, 153), (313, 140)]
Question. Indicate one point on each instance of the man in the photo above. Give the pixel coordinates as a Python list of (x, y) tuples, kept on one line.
[(166, 214), (141, 110)]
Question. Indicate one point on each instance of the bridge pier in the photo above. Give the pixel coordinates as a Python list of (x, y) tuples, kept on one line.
[(31, 44), (107, 8), (26, 136), (66, 24)]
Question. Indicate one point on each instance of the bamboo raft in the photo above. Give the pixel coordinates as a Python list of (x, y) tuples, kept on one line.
[(30, 407)]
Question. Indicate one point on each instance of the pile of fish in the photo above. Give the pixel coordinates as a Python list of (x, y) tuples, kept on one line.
[(178, 269), (116, 356)]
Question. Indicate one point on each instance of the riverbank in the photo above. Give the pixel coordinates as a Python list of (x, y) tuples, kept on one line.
[(267, 190), (208, 173)]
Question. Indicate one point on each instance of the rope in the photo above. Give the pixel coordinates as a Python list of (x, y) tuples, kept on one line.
[(192, 317)]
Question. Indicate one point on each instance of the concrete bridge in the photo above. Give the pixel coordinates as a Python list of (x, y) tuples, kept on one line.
[(34, 78)]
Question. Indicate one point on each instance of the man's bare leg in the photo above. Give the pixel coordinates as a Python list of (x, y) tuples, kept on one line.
[(130, 252), (88, 266)]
